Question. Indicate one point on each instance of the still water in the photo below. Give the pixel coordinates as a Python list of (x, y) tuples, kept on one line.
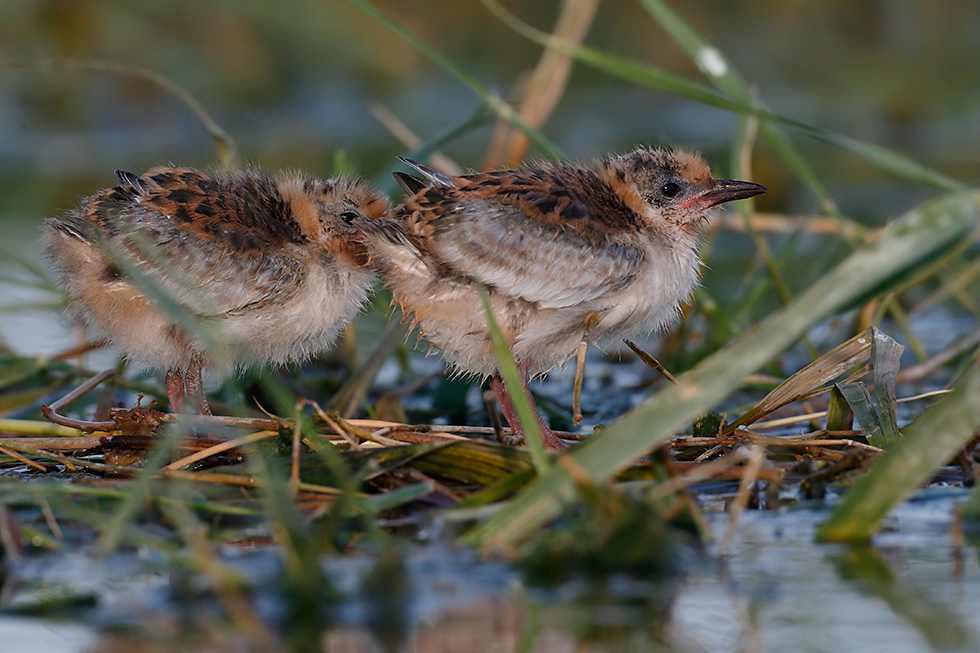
[(776, 591)]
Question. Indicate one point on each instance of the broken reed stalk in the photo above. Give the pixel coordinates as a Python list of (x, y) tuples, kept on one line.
[(591, 319), (51, 411), (754, 458), (227, 445), (649, 360)]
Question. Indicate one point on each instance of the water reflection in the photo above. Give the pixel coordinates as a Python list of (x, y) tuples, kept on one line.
[(779, 591)]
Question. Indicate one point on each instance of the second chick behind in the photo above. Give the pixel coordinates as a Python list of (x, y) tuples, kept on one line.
[(272, 268)]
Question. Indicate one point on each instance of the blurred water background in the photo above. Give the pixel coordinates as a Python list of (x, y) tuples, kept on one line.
[(297, 82)]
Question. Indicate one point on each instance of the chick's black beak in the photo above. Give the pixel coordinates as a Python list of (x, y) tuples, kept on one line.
[(728, 190)]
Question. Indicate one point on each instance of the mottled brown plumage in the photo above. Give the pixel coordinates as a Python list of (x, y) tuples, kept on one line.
[(271, 268), (552, 244)]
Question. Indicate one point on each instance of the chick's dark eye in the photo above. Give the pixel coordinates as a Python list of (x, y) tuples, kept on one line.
[(670, 189), (349, 216)]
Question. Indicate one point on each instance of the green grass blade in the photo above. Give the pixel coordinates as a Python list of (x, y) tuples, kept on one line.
[(785, 150), (352, 393), (503, 110), (515, 387), (17, 369), (41, 279), (35, 427), (865, 411), (70, 492), (938, 621), (652, 77), (840, 417), (839, 361), (886, 355), (708, 59), (912, 239), (477, 118), (723, 75), (390, 499), (928, 443), (478, 462), (626, 69), (225, 144), (897, 164)]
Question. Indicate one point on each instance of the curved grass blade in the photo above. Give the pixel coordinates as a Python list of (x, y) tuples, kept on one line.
[(478, 117), (653, 77), (390, 499), (40, 279), (929, 442), (886, 355), (865, 409), (626, 69), (908, 242), (725, 77), (743, 142), (842, 359), (20, 368), (69, 492), (351, 394), (227, 150), (475, 462), (358, 467), (840, 417), (503, 110)]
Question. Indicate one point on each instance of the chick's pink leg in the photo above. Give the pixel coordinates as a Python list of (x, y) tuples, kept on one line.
[(195, 385), (175, 390), (551, 441)]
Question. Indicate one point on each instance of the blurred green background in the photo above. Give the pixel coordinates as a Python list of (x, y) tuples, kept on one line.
[(296, 82)]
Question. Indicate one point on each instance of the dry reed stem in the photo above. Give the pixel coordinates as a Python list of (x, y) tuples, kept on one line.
[(649, 360), (755, 457), (239, 481), (51, 412), (579, 380), (70, 461), (220, 448), (769, 440), (806, 417), (376, 436), (545, 87), (934, 364), (51, 520), (708, 454), (79, 350), (411, 140), (700, 472), (23, 459), (294, 480)]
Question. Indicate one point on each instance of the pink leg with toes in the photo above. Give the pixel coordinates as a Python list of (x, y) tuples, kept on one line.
[(175, 390), (551, 441), (195, 385)]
